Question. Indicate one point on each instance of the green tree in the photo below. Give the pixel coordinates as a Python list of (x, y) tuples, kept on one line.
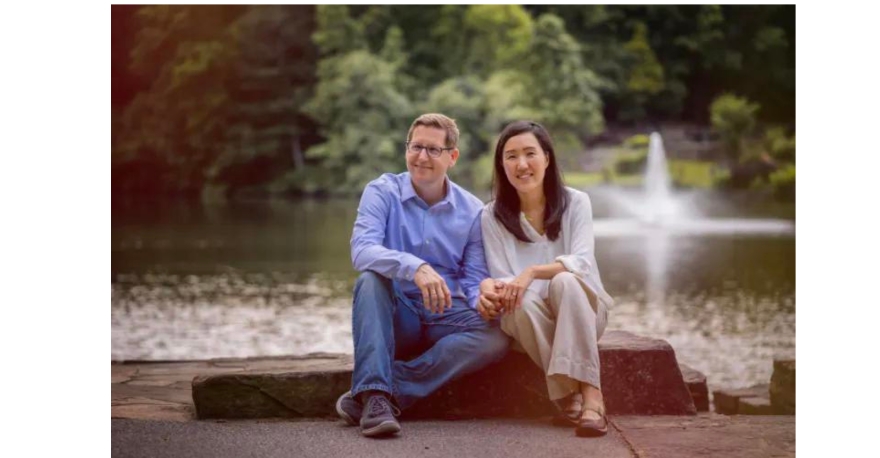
[(734, 119), (463, 100), (337, 32), (560, 89), (274, 76), (188, 53), (451, 42), (507, 99), (498, 37), (644, 75), (357, 103), (778, 145), (364, 119)]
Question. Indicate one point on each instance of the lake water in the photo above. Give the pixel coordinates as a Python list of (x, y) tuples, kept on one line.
[(275, 278)]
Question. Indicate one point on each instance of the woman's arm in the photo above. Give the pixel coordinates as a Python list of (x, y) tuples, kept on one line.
[(513, 291), (579, 260)]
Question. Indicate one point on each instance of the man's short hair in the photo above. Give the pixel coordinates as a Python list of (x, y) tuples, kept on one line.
[(439, 121)]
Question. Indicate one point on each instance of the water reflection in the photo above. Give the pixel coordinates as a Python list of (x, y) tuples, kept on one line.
[(275, 279)]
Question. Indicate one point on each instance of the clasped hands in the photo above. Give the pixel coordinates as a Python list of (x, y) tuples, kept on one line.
[(498, 297)]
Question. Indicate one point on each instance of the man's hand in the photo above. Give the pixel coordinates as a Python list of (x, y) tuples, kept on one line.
[(435, 294), (513, 292), (489, 305)]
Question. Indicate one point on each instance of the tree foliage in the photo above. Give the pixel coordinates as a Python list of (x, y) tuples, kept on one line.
[(734, 119), (275, 98)]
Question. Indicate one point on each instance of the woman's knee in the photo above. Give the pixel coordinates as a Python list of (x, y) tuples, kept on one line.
[(532, 305), (566, 289), (563, 279), (566, 283)]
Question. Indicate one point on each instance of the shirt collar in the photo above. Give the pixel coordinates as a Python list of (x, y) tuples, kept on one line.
[(407, 191)]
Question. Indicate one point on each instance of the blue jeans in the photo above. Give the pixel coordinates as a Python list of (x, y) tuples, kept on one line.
[(385, 324)]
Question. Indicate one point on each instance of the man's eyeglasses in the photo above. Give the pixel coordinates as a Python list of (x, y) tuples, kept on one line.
[(433, 151)]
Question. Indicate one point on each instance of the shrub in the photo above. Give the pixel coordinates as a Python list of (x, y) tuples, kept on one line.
[(749, 174), (631, 163), (779, 145), (783, 183), (734, 119), (637, 142)]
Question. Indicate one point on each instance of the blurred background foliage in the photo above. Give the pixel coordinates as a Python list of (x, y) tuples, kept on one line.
[(251, 101)]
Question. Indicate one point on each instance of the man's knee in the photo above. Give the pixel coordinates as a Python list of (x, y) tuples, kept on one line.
[(493, 344), (371, 281), (372, 289)]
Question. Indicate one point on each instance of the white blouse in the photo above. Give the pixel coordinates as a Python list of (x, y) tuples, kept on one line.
[(507, 256)]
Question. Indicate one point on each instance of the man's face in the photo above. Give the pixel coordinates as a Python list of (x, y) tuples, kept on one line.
[(426, 170)]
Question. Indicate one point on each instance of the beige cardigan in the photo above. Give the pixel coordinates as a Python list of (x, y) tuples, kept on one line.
[(507, 257)]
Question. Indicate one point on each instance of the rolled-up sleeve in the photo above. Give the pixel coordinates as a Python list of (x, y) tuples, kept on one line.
[(579, 261), (474, 264), (367, 249)]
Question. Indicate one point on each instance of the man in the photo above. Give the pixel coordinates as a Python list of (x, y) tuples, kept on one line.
[(418, 244)]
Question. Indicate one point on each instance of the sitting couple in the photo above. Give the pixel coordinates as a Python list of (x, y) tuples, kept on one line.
[(426, 309)]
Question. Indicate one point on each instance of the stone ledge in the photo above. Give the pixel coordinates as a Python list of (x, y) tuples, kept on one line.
[(727, 402), (640, 376), (755, 406), (696, 383), (782, 386), (775, 398)]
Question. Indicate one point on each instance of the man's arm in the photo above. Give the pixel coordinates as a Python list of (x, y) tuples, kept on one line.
[(367, 251), (474, 264)]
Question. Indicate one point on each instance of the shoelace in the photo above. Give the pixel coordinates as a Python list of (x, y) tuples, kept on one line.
[(379, 405)]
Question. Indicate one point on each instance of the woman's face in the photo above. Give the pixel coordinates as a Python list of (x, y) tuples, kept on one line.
[(524, 162)]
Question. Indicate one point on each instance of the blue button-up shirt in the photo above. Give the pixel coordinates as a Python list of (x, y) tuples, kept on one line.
[(396, 232)]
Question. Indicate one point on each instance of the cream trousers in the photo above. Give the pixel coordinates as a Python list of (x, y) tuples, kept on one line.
[(561, 334)]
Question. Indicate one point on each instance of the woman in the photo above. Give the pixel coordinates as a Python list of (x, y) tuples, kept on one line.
[(546, 288)]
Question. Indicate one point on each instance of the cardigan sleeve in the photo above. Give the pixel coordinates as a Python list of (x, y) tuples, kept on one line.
[(579, 260), (497, 243)]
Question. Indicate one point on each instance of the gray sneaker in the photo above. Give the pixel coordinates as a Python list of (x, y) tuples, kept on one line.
[(378, 417), (349, 409)]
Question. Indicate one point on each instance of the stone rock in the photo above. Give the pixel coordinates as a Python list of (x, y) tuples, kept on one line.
[(696, 383), (305, 394), (755, 406), (639, 376), (727, 401), (782, 387)]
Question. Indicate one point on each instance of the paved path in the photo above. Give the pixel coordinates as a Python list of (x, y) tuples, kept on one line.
[(153, 416), (704, 435)]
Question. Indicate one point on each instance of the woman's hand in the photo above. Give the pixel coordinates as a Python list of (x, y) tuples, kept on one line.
[(489, 305), (511, 296)]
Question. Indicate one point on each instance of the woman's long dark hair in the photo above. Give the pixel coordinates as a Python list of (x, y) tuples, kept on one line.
[(507, 205)]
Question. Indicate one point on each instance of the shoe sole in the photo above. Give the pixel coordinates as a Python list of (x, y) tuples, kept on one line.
[(590, 432), (348, 419), (382, 429)]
